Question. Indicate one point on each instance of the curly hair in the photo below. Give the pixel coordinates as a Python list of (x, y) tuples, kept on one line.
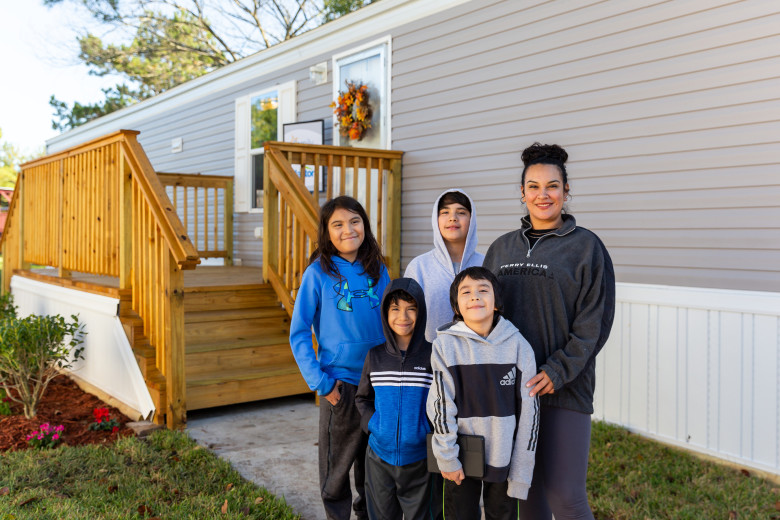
[(369, 254), (539, 153)]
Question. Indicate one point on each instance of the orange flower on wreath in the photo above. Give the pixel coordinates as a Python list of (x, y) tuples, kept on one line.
[(353, 111)]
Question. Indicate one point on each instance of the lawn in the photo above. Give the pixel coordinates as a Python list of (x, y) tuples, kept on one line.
[(631, 477), (167, 476)]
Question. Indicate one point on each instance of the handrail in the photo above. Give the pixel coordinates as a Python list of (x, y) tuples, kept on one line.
[(291, 204), (202, 215), (99, 208)]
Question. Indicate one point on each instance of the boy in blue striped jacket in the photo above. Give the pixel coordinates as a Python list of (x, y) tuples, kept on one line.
[(391, 398)]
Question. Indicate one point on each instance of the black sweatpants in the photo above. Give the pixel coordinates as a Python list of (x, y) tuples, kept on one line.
[(342, 445), (393, 492), (561, 469), (461, 502)]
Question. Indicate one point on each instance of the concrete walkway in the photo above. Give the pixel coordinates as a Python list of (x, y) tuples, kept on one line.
[(272, 443)]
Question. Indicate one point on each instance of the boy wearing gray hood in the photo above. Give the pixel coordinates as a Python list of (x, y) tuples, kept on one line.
[(454, 222), (481, 365)]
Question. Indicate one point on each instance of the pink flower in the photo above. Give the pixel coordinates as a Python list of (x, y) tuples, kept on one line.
[(55, 436), (59, 428), (40, 437), (45, 427)]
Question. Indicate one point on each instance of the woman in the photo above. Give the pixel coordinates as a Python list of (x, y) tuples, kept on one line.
[(559, 288)]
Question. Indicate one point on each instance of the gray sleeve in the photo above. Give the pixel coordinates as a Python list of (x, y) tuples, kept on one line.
[(589, 330), (443, 413), (521, 468)]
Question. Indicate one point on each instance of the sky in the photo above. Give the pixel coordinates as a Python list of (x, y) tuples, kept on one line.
[(40, 58)]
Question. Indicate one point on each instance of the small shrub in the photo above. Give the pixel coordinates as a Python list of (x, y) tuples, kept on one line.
[(7, 307), (46, 437), (32, 351), (5, 406)]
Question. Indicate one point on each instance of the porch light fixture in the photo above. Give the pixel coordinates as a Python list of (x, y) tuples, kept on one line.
[(318, 74)]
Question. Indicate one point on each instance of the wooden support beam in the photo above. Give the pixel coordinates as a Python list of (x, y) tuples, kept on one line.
[(393, 245), (125, 222), (176, 382)]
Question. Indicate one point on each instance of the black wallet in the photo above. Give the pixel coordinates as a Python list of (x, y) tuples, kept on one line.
[(471, 455)]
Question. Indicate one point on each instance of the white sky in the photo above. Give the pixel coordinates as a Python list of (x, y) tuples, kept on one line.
[(39, 56)]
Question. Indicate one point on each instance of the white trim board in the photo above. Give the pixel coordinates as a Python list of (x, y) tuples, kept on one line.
[(327, 38), (109, 363)]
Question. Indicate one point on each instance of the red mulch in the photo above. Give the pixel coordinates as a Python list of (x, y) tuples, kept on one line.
[(66, 404)]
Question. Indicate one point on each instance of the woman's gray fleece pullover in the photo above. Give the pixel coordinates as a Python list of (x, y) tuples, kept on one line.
[(560, 294), (479, 389)]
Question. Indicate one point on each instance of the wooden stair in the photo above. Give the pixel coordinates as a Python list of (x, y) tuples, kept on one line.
[(237, 346)]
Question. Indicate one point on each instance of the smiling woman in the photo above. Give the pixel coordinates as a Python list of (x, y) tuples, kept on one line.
[(560, 293)]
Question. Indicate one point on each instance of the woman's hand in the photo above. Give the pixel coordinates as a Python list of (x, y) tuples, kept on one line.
[(542, 384), (335, 395), (455, 476)]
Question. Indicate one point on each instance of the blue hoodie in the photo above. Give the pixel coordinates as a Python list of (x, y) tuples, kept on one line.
[(434, 270), (394, 388), (346, 317)]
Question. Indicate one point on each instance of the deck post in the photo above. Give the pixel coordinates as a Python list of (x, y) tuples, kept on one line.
[(393, 245), (228, 222), (125, 222), (270, 221), (62, 272), (175, 378)]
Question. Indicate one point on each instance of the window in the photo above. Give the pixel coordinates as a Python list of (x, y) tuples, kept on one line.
[(369, 65), (259, 118)]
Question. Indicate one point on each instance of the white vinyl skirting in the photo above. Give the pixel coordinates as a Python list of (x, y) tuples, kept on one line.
[(697, 368), (108, 362)]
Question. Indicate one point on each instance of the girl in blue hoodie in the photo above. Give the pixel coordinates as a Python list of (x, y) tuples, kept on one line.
[(339, 299)]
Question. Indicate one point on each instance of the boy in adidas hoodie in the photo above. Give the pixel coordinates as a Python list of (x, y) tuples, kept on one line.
[(391, 400), (481, 364), (454, 222)]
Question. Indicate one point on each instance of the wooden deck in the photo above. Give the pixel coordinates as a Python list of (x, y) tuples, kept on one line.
[(203, 276)]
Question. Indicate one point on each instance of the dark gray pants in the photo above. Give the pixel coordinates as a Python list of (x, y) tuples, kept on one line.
[(561, 469), (342, 445), (393, 492), (461, 502)]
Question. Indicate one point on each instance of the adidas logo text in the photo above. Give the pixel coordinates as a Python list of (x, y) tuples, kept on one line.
[(509, 379)]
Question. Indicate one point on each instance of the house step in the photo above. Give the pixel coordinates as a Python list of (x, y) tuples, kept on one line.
[(270, 311), (206, 332), (239, 386), (276, 338), (200, 364), (226, 298)]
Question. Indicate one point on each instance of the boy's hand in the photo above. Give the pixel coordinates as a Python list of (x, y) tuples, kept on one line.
[(544, 384), (455, 476), (335, 395)]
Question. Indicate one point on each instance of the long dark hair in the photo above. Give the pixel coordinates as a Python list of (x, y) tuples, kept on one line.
[(369, 255)]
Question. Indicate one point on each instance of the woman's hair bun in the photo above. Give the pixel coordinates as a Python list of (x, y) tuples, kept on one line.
[(544, 153)]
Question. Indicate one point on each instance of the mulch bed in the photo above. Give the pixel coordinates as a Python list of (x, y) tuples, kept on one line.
[(66, 404)]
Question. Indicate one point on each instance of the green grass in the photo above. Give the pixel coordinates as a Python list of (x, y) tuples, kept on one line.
[(170, 477), (631, 477), (167, 476)]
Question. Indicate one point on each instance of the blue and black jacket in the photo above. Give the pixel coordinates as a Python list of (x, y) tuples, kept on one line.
[(394, 387)]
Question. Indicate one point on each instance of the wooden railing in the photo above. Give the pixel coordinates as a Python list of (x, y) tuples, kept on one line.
[(99, 208), (204, 204), (291, 204)]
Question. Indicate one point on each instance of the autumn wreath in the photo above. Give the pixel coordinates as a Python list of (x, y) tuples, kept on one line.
[(353, 111)]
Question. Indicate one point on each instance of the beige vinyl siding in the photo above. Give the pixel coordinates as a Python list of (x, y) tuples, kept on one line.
[(670, 113)]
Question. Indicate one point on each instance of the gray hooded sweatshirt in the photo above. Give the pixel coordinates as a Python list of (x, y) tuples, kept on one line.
[(434, 270), (479, 389)]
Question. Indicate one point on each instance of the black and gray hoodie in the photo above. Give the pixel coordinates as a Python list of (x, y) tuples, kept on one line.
[(560, 294), (479, 388)]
